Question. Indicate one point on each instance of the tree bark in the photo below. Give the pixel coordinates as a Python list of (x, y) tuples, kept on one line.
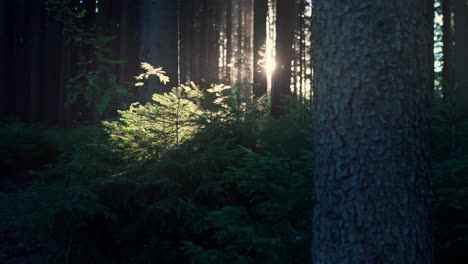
[(158, 41), (373, 62)]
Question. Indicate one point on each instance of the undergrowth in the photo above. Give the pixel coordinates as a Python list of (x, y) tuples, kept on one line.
[(450, 181), (194, 177)]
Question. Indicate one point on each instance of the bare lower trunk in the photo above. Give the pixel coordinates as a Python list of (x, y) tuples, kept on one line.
[(158, 41), (372, 84), (461, 53), (260, 77), (281, 90)]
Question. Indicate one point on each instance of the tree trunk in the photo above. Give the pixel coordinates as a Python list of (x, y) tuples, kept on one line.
[(20, 61), (461, 52), (281, 90), (158, 42), (372, 78), (3, 56), (186, 31), (128, 42), (447, 56), (229, 50), (53, 82), (37, 10)]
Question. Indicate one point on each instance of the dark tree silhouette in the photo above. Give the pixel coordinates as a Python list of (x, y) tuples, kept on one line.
[(280, 90)]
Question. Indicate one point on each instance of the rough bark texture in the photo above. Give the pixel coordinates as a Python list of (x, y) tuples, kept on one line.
[(372, 79)]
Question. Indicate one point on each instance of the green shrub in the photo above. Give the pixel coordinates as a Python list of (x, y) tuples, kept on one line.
[(450, 181), (165, 181), (20, 145), (193, 177)]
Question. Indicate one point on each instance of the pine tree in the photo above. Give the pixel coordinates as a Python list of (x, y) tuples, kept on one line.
[(373, 162)]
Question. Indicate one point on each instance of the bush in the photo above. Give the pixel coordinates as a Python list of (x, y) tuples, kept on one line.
[(194, 177), (165, 182), (450, 181), (23, 146)]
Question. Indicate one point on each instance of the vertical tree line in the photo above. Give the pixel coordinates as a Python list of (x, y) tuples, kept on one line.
[(55, 49), (42, 52)]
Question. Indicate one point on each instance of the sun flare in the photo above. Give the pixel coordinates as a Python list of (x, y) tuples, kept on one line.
[(270, 65)]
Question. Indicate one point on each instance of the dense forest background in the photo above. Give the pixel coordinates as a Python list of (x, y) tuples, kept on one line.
[(203, 131), (79, 42)]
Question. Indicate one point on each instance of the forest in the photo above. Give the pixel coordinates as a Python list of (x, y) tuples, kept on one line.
[(234, 131)]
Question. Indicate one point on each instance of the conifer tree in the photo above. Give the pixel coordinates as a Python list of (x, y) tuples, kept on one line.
[(373, 164)]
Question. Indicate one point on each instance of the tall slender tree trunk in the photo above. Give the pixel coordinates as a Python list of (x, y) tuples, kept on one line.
[(447, 56), (281, 90), (3, 57), (20, 61), (53, 82), (372, 97), (158, 41), (229, 50), (461, 52), (128, 38), (37, 9), (186, 31), (246, 50)]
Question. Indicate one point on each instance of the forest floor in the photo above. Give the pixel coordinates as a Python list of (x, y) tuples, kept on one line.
[(11, 251)]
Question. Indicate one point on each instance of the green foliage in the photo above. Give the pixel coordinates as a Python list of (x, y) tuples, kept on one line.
[(149, 71), (451, 208), (63, 12), (195, 177), (270, 219), (93, 79), (20, 145), (146, 132), (24, 147), (165, 182), (450, 181)]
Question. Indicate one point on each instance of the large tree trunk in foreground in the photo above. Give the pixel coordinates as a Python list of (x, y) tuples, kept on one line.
[(372, 78)]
